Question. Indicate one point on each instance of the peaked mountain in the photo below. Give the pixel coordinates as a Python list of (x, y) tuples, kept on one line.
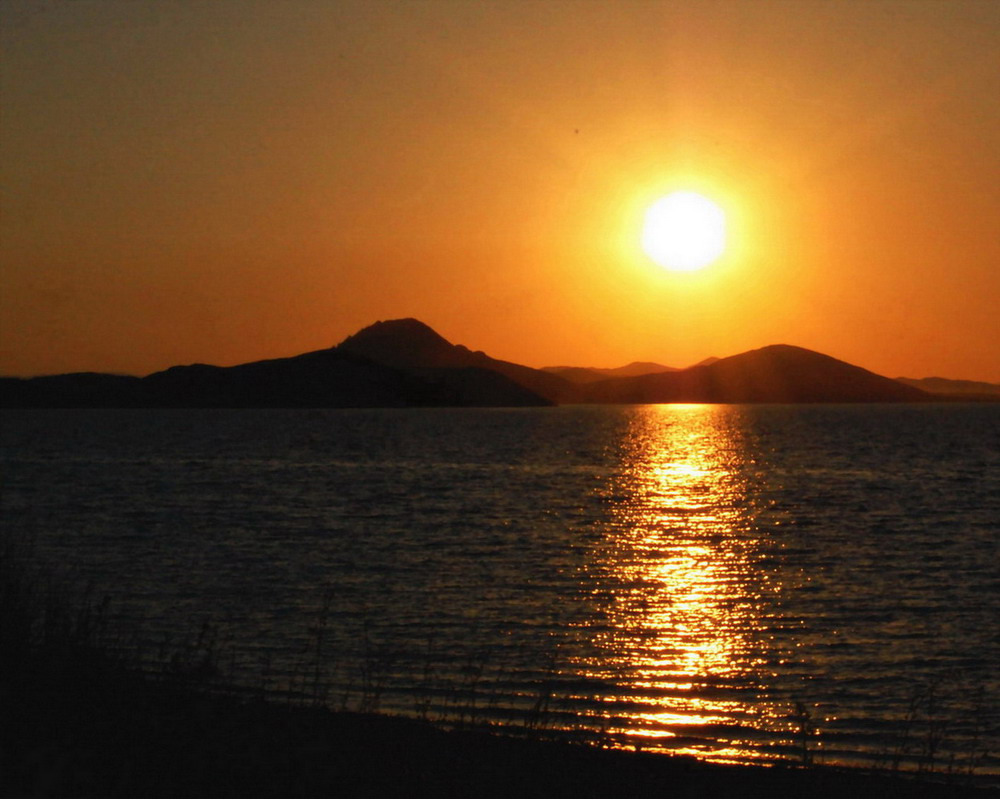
[(331, 378), (403, 362), (410, 345), (778, 373)]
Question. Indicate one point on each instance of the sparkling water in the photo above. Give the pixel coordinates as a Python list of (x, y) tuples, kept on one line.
[(736, 582)]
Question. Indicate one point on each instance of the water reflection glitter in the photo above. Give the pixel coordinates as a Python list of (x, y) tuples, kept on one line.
[(681, 604)]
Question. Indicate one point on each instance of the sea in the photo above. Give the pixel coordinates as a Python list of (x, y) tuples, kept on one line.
[(741, 583)]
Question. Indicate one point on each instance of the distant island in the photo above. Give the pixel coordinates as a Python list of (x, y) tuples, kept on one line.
[(404, 363)]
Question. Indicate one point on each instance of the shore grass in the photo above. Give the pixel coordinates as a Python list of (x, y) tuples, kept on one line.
[(80, 717), (116, 734)]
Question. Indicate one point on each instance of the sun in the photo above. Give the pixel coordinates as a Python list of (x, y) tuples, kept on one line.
[(684, 231)]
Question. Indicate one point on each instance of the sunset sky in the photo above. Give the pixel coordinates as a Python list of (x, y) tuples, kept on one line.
[(226, 181)]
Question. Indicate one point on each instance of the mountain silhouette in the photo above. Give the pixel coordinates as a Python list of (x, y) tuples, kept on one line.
[(779, 373), (591, 374), (405, 363), (75, 390), (967, 389), (331, 378), (410, 345)]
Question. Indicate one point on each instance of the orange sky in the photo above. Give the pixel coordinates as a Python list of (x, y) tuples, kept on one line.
[(228, 181)]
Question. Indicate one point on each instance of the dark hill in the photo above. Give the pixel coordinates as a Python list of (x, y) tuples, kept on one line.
[(576, 374), (403, 343), (403, 362), (324, 379), (956, 389), (779, 373), (411, 345), (76, 390), (591, 374), (637, 368)]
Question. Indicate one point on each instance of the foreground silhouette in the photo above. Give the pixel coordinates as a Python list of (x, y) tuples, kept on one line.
[(80, 721), (404, 363)]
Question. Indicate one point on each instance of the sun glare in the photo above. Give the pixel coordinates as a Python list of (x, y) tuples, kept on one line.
[(684, 231)]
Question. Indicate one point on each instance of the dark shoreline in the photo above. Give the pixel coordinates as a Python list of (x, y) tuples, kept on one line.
[(75, 727), (80, 720), (404, 363)]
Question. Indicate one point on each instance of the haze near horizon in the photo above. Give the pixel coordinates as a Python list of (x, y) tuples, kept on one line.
[(228, 182)]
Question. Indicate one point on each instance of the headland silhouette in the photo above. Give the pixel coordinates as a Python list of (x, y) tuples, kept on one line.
[(405, 363)]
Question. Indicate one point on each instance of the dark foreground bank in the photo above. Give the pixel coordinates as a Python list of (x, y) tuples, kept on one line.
[(80, 729), (79, 719)]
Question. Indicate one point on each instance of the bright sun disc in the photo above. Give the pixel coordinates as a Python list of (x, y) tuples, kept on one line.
[(684, 231)]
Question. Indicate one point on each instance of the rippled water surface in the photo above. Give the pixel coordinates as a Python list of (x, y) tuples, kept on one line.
[(738, 582)]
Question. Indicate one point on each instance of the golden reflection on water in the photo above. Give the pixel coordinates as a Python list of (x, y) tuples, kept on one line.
[(679, 636)]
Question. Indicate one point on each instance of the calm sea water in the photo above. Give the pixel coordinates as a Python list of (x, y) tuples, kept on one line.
[(737, 582)]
